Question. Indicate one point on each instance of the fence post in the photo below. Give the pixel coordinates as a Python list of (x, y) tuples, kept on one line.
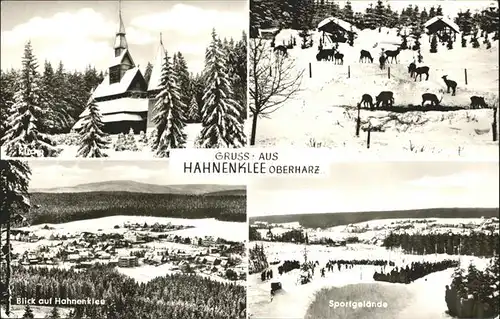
[(368, 136), (310, 70), (389, 72), (494, 124), (348, 71), (358, 120), (465, 71)]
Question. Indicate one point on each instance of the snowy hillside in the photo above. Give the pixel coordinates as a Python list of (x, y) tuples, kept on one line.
[(328, 99), (356, 283)]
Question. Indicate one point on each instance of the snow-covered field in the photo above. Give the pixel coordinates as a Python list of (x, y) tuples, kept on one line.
[(233, 231), (323, 113), (426, 294)]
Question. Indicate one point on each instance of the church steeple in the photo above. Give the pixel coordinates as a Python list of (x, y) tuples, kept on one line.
[(120, 40)]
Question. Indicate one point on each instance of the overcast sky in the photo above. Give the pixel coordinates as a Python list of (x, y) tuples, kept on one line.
[(82, 32), (378, 187), (52, 173)]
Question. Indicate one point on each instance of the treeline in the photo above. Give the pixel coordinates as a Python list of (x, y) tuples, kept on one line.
[(67, 207), (325, 220), (257, 259), (474, 294), (60, 93), (305, 15), (474, 244), (171, 296)]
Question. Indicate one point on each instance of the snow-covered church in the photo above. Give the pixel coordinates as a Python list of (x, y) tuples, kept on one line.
[(124, 99)]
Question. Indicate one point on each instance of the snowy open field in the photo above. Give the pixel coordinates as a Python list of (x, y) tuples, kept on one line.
[(293, 301), (232, 231), (324, 112)]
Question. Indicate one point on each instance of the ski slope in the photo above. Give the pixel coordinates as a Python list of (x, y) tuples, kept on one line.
[(294, 301)]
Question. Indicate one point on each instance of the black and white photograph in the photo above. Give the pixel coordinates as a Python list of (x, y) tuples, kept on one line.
[(122, 79), (119, 240), (377, 240), (388, 77)]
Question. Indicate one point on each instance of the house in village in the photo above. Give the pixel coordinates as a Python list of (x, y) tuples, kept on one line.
[(128, 261), (124, 99)]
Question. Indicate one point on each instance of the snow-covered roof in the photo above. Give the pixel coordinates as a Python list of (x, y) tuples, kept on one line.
[(131, 105), (341, 23), (106, 89), (450, 23), (118, 59), (155, 79)]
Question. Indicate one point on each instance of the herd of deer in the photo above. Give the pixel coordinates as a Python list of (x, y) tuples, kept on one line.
[(386, 98)]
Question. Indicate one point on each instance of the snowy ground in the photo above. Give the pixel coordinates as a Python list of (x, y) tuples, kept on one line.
[(426, 294), (144, 150), (192, 131), (233, 231), (38, 312), (328, 99)]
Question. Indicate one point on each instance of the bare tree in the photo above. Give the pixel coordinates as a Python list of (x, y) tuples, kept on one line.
[(274, 79)]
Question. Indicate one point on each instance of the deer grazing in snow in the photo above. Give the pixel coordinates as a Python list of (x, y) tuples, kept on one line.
[(393, 54), (381, 61), (431, 98), (421, 70), (450, 84), (366, 101), (339, 57), (477, 102), (325, 54), (411, 69), (365, 55), (386, 98)]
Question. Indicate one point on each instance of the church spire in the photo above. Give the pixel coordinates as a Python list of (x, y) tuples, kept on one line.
[(120, 40)]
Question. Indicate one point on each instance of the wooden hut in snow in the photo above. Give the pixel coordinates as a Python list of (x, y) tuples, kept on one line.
[(336, 29), (442, 27)]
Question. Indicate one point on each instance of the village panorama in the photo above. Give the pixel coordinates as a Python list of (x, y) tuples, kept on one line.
[(123, 80), (399, 79), (129, 248), (424, 246)]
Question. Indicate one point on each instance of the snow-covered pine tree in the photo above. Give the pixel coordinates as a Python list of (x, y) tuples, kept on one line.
[(8, 84), (434, 44), (14, 183), (28, 313), (347, 12), (169, 116), (22, 137), (194, 110), (92, 138), (221, 115), (54, 314), (183, 80)]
